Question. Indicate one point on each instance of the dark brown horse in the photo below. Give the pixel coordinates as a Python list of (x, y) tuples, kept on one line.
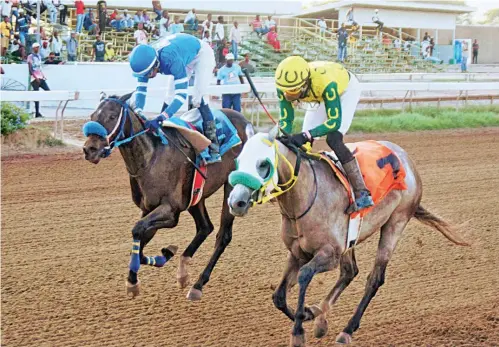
[(161, 180)]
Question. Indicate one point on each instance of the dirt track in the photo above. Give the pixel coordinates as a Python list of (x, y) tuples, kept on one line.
[(66, 236)]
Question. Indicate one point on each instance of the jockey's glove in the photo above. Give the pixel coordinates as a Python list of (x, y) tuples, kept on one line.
[(155, 123), (297, 139)]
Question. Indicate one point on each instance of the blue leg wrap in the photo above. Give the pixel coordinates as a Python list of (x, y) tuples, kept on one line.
[(157, 261), (135, 256)]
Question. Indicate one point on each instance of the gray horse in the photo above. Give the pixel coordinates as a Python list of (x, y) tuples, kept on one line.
[(314, 225), (161, 178)]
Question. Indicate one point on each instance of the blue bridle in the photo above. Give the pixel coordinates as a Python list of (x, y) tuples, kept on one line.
[(117, 136)]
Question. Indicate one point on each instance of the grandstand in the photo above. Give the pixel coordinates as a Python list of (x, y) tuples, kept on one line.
[(367, 52)]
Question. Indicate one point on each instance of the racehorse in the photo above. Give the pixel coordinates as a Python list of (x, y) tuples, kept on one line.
[(161, 178), (314, 224)]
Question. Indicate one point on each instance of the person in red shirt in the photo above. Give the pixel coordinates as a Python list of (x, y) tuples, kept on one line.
[(272, 39), (257, 26), (80, 15)]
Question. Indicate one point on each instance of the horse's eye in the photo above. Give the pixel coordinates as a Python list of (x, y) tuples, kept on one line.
[(112, 116), (263, 167)]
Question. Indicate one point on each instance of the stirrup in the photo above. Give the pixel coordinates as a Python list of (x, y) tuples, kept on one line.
[(363, 201)]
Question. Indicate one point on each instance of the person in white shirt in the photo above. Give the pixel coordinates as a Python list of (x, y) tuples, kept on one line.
[(140, 35), (269, 24), (207, 37), (126, 20), (219, 38), (235, 38), (207, 24), (56, 44), (5, 9), (45, 50), (322, 26), (164, 24), (192, 20)]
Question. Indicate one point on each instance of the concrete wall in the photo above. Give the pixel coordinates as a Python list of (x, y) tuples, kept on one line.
[(487, 38), (403, 18)]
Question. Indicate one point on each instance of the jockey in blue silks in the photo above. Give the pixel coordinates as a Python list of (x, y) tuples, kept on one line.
[(179, 55)]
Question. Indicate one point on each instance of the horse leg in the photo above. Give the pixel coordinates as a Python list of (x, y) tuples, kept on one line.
[(348, 271), (324, 260), (161, 217), (279, 296), (224, 236), (203, 229), (390, 234)]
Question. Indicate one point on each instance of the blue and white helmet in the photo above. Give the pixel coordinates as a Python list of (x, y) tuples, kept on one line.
[(142, 60)]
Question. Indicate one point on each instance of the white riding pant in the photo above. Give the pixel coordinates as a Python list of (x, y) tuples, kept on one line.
[(349, 100), (202, 66)]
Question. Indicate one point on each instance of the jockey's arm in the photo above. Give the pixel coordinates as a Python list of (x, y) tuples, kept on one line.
[(287, 113), (181, 82), (333, 111), (140, 94)]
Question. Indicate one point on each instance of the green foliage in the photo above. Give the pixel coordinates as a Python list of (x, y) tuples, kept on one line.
[(491, 16), (13, 118), (50, 142)]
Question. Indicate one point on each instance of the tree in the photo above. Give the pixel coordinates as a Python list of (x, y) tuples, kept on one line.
[(491, 17)]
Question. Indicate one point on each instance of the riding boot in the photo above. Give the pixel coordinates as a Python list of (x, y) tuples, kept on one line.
[(210, 131), (363, 197), (165, 106)]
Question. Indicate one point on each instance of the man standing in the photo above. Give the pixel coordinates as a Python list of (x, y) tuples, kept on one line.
[(56, 44), (246, 64), (37, 77), (80, 15), (102, 12), (72, 47), (164, 23), (322, 26), (377, 21), (464, 56), (156, 6), (23, 21), (63, 12), (5, 31), (219, 39), (6, 8), (475, 52), (235, 38), (99, 49), (230, 73), (192, 20), (342, 43), (140, 35)]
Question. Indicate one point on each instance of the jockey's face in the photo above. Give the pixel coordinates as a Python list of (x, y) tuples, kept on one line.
[(153, 72)]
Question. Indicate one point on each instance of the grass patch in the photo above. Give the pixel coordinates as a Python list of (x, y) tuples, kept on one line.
[(50, 142)]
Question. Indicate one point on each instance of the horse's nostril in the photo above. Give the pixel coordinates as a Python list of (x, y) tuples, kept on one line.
[(85, 150), (241, 204)]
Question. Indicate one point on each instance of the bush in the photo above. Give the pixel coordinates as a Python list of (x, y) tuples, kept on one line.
[(13, 118)]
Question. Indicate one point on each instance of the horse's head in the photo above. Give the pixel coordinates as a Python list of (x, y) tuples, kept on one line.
[(256, 172), (105, 126)]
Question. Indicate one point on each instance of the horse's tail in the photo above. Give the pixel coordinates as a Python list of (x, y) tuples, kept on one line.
[(447, 229)]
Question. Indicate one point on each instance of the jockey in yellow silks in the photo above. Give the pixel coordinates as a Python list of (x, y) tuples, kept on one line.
[(337, 91)]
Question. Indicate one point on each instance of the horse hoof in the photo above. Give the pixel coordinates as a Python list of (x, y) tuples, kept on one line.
[(297, 341), (194, 294), (344, 338), (320, 327), (311, 312), (183, 281), (133, 289)]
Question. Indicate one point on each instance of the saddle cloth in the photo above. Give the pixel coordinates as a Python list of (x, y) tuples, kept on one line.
[(382, 172), (190, 125)]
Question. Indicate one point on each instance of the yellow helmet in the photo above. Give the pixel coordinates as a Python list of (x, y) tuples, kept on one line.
[(292, 74)]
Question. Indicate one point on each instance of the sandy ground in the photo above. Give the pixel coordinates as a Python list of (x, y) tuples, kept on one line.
[(66, 236)]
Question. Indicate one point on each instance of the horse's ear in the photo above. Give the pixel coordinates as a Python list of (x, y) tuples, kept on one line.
[(273, 133), (103, 95)]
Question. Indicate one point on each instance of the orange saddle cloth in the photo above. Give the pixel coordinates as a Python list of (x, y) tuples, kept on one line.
[(380, 167)]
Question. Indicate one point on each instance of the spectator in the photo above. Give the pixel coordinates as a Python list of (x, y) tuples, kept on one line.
[(45, 50), (110, 54), (155, 34), (397, 44), (52, 10), (376, 20), (475, 52), (464, 56), (349, 17), (230, 74), (208, 28), (257, 26), (56, 44), (424, 48), (23, 22), (51, 60), (37, 77), (247, 64), (156, 7), (80, 15), (177, 27), (426, 37), (207, 37), (72, 47), (235, 38), (322, 27), (102, 11), (342, 43), (17, 49), (138, 18), (114, 20), (219, 40), (431, 47), (207, 24), (126, 20), (140, 35), (269, 24), (6, 9), (88, 21), (273, 40), (164, 23), (148, 25), (192, 20), (63, 12), (5, 31), (99, 49)]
